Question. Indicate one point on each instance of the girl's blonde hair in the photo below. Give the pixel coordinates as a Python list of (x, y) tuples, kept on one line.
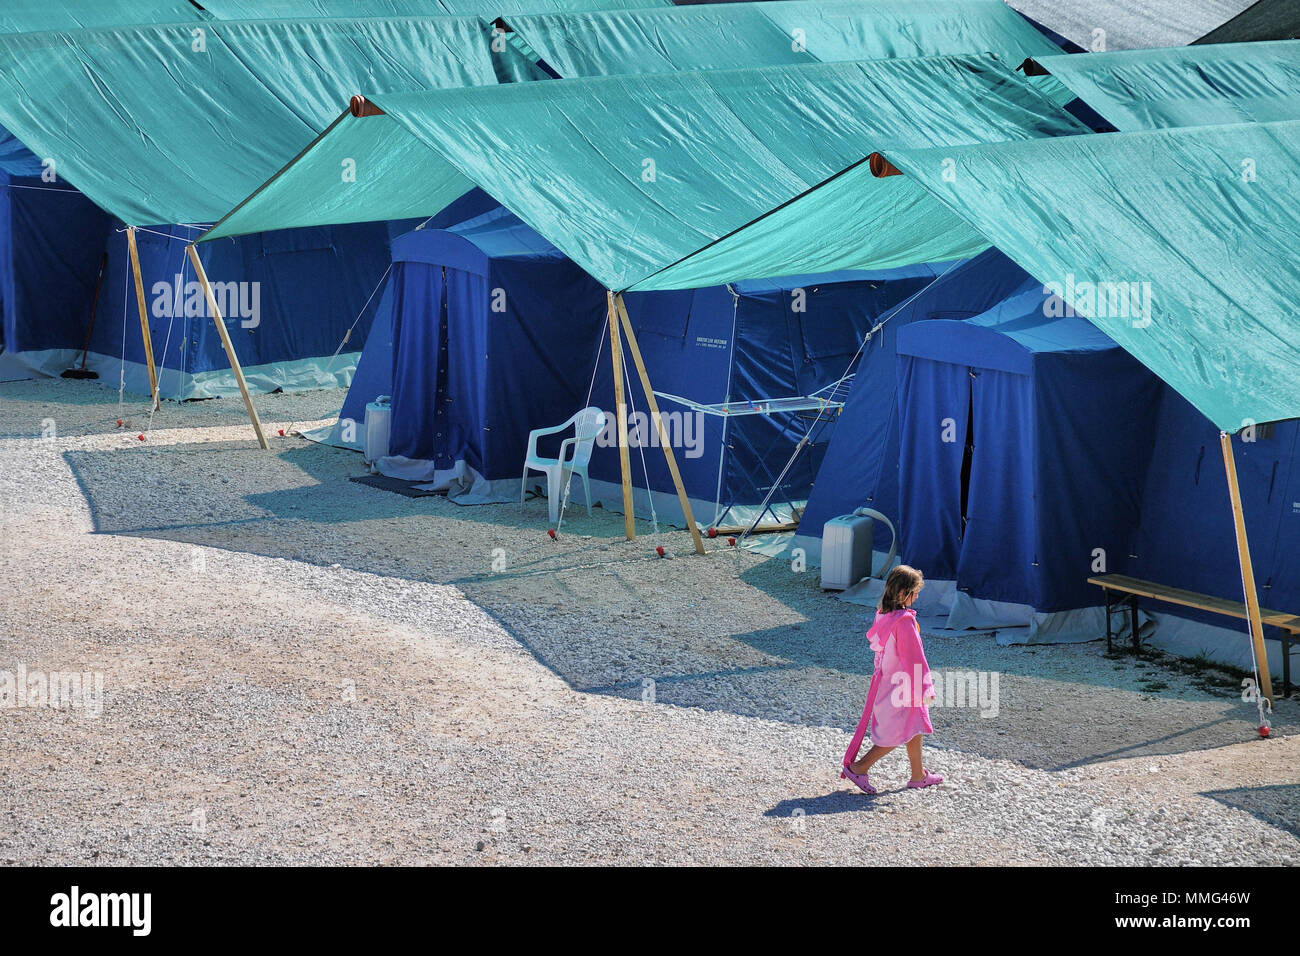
[(903, 583)]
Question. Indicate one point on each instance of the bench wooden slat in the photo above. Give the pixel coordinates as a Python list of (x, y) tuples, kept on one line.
[(1205, 602)]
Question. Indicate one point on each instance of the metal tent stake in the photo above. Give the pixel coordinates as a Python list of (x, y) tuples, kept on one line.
[(226, 344), (1247, 571)]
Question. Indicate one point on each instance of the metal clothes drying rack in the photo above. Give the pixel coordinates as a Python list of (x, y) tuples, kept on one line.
[(827, 402)]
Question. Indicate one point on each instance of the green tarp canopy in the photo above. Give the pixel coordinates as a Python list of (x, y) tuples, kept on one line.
[(737, 35), (158, 125), (31, 16), (628, 175), (1186, 86), (306, 9), (1179, 244), (35, 16)]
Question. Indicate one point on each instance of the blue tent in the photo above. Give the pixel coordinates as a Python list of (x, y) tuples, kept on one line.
[(468, 387), (313, 290), (861, 463), (1024, 444), (493, 335), (51, 249), (1185, 537), (291, 298), (296, 295), (1036, 453), (747, 342), (373, 377)]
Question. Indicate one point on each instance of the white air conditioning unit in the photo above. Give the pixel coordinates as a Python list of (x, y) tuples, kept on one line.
[(846, 549)]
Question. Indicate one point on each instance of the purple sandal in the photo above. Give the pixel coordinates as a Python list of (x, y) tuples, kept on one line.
[(859, 779), (929, 780)]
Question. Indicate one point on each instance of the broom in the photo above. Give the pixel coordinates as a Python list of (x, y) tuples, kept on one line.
[(84, 372)]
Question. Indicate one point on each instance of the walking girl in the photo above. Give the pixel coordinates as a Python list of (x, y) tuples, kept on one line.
[(896, 711)]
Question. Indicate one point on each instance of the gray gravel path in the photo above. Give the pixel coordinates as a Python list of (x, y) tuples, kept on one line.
[(301, 669)]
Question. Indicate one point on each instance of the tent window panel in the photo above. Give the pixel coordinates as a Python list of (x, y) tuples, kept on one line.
[(665, 314), (836, 317), (310, 239), (827, 333)]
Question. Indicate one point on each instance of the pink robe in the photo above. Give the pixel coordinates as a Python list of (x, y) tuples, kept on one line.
[(896, 709)]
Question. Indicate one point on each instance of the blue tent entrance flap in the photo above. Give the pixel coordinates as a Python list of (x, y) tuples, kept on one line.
[(373, 377), (1173, 242), (494, 334), (1020, 460), (861, 463), (1186, 86)]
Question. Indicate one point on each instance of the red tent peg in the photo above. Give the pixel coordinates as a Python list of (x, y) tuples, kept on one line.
[(731, 542), (659, 550), (281, 432), (1263, 730), (120, 423), (712, 532), (551, 532), (140, 437)]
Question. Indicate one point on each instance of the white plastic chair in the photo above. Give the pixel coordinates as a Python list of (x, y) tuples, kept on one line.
[(575, 456)]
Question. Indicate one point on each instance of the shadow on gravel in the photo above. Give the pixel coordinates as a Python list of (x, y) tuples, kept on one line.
[(837, 801), (1277, 806), (727, 632)]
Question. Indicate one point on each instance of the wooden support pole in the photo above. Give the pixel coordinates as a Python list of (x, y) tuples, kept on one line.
[(1247, 570), (620, 406), (144, 315), (664, 440), (227, 344)]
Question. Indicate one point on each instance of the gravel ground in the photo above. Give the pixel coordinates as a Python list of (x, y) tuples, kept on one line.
[(301, 669)]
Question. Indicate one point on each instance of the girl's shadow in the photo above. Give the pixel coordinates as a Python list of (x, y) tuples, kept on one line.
[(837, 801)]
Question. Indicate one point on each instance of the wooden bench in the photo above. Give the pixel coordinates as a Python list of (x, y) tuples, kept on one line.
[(1134, 588)]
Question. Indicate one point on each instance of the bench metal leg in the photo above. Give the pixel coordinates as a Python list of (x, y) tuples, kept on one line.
[(1286, 663), (1106, 595), (1133, 617)]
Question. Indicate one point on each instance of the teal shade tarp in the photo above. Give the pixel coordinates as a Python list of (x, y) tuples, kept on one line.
[(158, 124), (629, 174), (499, 8), (36, 16), (738, 35), (32, 16), (360, 170), (306, 9), (1178, 244), (1208, 85)]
